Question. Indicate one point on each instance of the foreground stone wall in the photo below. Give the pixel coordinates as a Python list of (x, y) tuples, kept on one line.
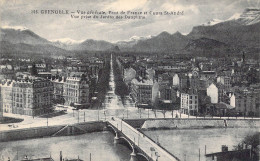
[(253, 123), (182, 124), (198, 123)]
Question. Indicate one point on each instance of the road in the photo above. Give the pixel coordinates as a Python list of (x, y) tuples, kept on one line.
[(144, 143), (112, 107)]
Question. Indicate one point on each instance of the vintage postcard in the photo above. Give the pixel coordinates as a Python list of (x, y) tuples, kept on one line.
[(129, 80)]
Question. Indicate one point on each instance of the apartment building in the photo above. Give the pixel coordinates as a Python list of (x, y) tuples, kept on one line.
[(189, 102), (144, 91), (245, 104), (6, 96), (224, 80), (76, 91), (213, 93), (32, 96), (58, 90)]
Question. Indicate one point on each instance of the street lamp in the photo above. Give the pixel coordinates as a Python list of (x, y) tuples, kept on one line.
[(78, 116), (121, 125), (47, 121), (138, 138), (152, 150), (157, 156), (105, 114), (98, 109)]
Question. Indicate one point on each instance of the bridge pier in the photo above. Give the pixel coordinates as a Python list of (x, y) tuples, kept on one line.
[(133, 156), (116, 139), (105, 128)]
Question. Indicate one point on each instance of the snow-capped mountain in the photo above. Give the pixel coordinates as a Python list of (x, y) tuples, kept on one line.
[(89, 44), (241, 30), (66, 41), (248, 17), (132, 41), (212, 22), (234, 17), (137, 38), (21, 28)]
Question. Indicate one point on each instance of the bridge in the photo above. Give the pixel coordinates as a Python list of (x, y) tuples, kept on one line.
[(141, 146)]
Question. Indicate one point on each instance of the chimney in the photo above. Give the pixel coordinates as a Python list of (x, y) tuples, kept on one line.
[(224, 148), (60, 155)]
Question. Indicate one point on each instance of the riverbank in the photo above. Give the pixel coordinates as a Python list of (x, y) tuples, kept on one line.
[(190, 144), (49, 131), (72, 147), (200, 123), (144, 124)]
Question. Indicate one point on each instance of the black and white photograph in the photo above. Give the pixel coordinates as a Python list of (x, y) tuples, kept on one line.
[(129, 80)]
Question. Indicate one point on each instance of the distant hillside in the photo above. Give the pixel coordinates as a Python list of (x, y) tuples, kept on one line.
[(26, 36), (93, 45), (22, 48), (204, 44), (231, 33), (239, 31), (87, 45), (163, 42)]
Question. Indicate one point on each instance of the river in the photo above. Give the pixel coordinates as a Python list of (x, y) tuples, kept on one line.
[(185, 144), (99, 144)]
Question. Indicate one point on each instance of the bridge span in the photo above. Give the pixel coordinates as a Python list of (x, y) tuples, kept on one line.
[(141, 145)]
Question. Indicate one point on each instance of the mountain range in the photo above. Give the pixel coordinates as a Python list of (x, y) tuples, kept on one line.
[(241, 30)]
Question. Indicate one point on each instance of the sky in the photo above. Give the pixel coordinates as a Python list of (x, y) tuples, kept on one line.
[(52, 27)]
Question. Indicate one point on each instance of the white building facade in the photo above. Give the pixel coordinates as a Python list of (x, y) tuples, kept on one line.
[(189, 103), (212, 92)]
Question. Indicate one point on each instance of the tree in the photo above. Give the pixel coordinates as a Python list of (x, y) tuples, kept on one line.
[(204, 102), (252, 77), (253, 140)]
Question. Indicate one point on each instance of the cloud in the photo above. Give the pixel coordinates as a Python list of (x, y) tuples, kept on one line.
[(178, 7), (17, 13)]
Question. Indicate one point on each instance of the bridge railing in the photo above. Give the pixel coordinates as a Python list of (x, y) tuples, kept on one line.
[(143, 142)]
